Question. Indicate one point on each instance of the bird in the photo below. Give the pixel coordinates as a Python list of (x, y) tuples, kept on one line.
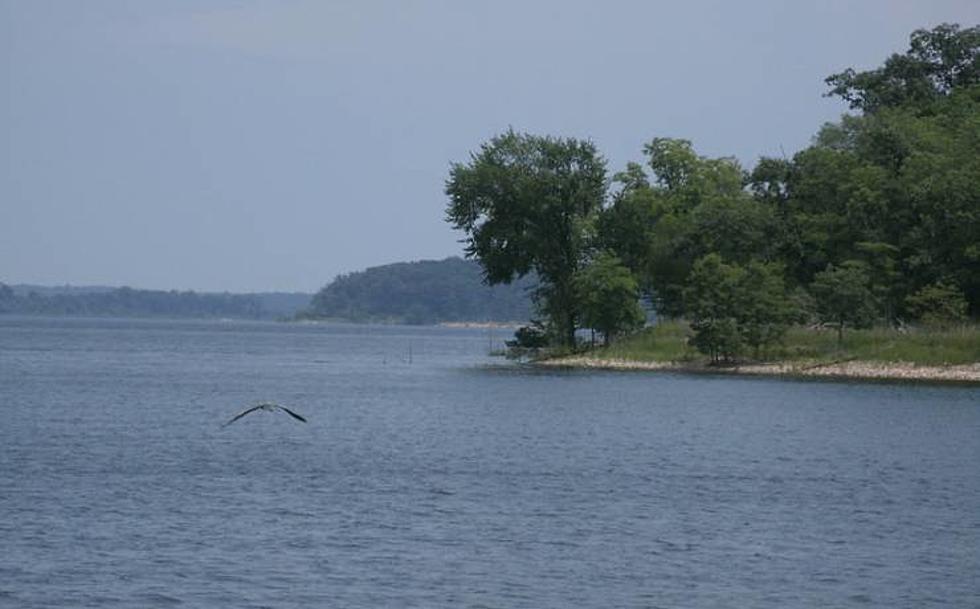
[(269, 406)]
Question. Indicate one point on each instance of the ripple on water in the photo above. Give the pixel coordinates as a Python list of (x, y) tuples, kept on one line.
[(442, 484)]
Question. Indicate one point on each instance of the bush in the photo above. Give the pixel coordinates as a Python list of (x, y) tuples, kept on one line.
[(938, 305), (528, 337)]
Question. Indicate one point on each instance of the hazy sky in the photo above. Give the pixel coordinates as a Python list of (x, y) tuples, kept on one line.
[(272, 145)]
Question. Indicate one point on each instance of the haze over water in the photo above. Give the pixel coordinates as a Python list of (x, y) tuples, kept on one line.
[(431, 475)]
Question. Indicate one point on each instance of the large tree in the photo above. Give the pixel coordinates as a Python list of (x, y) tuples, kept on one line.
[(898, 188), (938, 61), (527, 203)]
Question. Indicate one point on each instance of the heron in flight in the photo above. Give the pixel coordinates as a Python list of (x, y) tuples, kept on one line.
[(269, 406)]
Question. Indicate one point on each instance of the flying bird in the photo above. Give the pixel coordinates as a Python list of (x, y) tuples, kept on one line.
[(269, 406)]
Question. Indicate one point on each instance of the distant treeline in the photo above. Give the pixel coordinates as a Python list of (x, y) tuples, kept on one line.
[(423, 292), (129, 302)]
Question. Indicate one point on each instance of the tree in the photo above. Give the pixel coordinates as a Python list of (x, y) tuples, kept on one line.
[(625, 225), (732, 306), (769, 181), (692, 206), (763, 309), (938, 61), (609, 295), (419, 292), (527, 203), (885, 280), (843, 296), (711, 299), (940, 304), (898, 189)]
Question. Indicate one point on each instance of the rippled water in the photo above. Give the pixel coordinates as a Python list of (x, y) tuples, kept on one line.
[(430, 475)]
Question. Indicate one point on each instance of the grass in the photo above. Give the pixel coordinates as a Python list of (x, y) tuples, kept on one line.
[(932, 347), (667, 342), (664, 342)]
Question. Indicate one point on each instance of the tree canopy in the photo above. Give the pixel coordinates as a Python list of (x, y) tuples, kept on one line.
[(877, 221), (937, 62), (609, 297), (526, 203), (130, 302), (423, 292)]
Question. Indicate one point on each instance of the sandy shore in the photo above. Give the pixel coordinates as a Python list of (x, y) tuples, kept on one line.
[(966, 373)]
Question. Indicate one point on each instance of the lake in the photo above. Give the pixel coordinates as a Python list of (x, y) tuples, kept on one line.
[(433, 475)]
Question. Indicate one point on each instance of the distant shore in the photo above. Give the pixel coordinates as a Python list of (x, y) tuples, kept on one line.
[(481, 324), (863, 370)]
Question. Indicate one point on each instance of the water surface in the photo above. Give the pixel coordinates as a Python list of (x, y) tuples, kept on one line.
[(431, 475)]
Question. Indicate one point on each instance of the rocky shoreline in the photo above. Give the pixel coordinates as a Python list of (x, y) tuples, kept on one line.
[(899, 371)]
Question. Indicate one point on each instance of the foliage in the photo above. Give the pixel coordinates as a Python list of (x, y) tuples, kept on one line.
[(843, 297), (897, 187), (937, 62), (421, 292), (526, 203), (608, 295), (763, 310), (130, 302), (877, 220), (694, 206), (900, 192), (667, 342), (731, 306), (528, 340), (711, 300), (938, 305)]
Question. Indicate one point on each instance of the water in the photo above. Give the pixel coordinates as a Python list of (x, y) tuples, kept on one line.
[(431, 475)]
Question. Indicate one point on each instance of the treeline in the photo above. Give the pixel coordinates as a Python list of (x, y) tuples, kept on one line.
[(129, 302), (421, 292), (878, 221)]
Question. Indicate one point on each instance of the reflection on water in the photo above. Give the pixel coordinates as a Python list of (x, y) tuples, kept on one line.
[(430, 475)]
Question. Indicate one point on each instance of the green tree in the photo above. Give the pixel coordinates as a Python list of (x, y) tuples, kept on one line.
[(763, 310), (898, 189), (940, 304), (609, 295), (527, 203), (769, 181), (843, 296), (691, 206), (885, 280), (733, 306), (938, 61), (625, 225), (711, 299)]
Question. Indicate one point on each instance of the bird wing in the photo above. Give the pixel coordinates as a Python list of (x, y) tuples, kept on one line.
[(292, 414), (242, 414)]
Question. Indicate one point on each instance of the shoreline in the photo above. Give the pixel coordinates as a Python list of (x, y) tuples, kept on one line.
[(853, 370), (491, 325)]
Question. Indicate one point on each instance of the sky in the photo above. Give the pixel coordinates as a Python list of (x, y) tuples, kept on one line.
[(256, 146)]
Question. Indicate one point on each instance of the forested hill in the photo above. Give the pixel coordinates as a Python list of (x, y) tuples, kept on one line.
[(423, 292), (129, 302)]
